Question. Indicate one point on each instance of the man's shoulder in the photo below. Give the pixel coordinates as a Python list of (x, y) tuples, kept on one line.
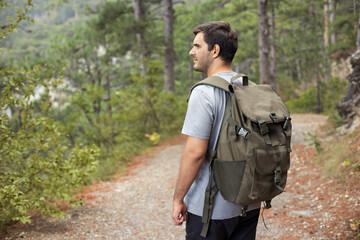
[(203, 89)]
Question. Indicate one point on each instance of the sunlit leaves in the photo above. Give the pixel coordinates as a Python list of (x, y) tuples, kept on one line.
[(38, 167)]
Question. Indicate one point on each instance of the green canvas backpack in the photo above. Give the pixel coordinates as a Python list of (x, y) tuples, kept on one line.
[(252, 156)]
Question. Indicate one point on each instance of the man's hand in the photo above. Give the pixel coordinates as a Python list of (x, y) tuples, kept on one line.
[(179, 212)]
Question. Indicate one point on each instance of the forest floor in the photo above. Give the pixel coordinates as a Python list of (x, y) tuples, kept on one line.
[(137, 205)]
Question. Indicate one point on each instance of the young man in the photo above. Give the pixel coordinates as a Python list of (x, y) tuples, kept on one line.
[(214, 47)]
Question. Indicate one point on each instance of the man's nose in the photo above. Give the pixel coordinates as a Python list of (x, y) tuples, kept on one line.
[(191, 53)]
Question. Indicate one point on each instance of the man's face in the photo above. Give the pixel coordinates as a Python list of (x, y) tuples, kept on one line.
[(200, 53)]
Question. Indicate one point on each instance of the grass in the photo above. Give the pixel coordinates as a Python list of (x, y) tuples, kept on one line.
[(339, 156), (334, 156), (340, 159)]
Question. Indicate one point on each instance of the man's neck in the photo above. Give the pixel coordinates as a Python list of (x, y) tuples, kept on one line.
[(215, 69)]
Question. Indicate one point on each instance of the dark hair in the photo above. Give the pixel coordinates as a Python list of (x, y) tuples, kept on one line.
[(222, 34)]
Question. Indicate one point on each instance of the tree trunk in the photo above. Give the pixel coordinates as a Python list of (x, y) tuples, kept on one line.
[(263, 43), (318, 100), (320, 68), (349, 107), (326, 24), (327, 71), (332, 8), (358, 37), (272, 50), (169, 46), (139, 19)]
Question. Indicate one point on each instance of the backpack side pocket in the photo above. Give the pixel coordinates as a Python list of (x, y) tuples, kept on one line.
[(228, 177)]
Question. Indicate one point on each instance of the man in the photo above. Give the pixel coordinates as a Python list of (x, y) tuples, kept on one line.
[(214, 47)]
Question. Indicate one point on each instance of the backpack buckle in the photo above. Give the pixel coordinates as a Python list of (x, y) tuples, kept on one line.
[(273, 117), (243, 211), (244, 133), (287, 120), (263, 127)]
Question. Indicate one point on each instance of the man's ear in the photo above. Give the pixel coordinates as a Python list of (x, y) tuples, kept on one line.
[(216, 51)]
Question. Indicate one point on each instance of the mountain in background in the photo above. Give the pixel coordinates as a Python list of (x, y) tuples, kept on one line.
[(33, 39)]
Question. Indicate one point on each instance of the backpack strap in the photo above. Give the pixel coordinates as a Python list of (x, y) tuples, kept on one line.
[(209, 200), (214, 81), (221, 83), (264, 132), (208, 207), (211, 191), (277, 172), (287, 132)]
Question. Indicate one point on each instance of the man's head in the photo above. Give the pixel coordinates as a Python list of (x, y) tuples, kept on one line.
[(220, 39)]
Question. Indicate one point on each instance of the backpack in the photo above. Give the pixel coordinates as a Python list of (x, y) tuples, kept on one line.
[(252, 154)]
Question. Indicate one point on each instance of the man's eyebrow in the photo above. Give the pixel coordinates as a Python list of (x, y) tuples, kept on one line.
[(196, 45)]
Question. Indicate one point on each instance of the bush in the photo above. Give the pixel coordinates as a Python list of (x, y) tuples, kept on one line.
[(330, 93), (38, 168), (120, 122), (305, 103)]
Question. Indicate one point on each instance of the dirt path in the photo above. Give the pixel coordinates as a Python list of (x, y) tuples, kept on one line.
[(138, 206), (312, 207)]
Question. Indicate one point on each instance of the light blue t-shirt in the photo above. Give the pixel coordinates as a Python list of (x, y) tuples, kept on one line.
[(203, 120)]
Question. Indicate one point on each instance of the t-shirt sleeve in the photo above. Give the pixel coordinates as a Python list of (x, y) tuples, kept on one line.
[(200, 115)]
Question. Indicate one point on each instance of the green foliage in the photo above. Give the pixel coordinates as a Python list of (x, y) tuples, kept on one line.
[(330, 93), (335, 119), (117, 119), (15, 14), (38, 168), (345, 26), (333, 157), (305, 103), (315, 141), (339, 157)]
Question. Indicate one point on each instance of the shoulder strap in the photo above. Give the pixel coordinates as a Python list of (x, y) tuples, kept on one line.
[(214, 81)]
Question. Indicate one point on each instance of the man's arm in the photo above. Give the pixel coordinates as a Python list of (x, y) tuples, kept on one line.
[(191, 161)]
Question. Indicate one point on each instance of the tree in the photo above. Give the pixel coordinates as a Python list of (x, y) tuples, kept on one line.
[(348, 107), (326, 23), (14, 15), (169, 46), (38, 166), (272, 49), (140, 30), (332, 8), (264, 44)]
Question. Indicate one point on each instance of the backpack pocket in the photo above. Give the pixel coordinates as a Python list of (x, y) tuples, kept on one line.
[(270, 172), (228, 177)]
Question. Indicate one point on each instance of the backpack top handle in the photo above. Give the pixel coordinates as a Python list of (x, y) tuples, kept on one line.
[(245, 79)]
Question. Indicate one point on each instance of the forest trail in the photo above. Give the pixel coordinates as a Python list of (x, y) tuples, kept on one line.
[(138, 206)]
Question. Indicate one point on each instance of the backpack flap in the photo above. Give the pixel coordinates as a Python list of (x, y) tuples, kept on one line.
[(266, 105)]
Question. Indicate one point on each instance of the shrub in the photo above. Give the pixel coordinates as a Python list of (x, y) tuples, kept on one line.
[(38, 168), (330, 93)]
